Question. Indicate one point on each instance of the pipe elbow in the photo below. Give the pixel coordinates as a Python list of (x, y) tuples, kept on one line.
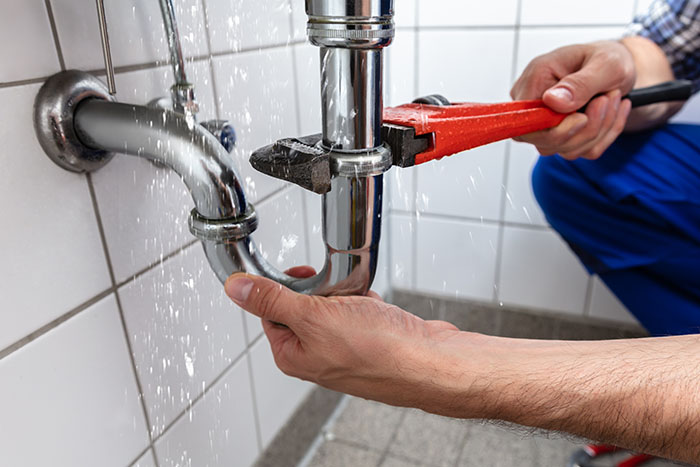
[(173, 140)]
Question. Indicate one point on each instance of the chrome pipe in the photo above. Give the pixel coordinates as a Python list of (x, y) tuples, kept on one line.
[(182, 92), (351, 98), (173, 36), (106, 49), (222, 217), (168, 138)]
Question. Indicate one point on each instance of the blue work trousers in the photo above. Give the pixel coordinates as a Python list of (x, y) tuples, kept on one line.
[(633, 217)]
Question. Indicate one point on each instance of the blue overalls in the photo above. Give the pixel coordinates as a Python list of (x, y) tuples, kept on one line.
[(633, 218)]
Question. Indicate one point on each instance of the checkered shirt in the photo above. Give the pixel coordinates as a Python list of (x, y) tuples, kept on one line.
[(674, 25)]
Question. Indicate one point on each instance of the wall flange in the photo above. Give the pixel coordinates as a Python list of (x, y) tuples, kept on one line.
[(54, 108)]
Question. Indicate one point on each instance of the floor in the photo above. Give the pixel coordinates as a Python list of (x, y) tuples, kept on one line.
[(367, 433), (362, 433)]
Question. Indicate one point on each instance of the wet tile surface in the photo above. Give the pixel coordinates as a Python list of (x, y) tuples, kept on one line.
[(368, 423), (340, 454), (424, 437)]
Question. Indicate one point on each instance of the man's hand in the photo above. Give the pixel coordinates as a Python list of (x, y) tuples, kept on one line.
[(357, 345), (641, 394), (566, 79)]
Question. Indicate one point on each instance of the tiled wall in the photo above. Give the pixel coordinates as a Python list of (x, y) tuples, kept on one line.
[(117, 344), (468, 226)]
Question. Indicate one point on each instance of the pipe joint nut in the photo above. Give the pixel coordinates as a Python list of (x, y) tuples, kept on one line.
[(223, 230), (368, 163)]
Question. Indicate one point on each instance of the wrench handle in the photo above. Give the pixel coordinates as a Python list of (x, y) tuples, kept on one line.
[(678, 90)]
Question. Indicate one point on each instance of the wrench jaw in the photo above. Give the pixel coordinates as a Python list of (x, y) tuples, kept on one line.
[(301, 161)]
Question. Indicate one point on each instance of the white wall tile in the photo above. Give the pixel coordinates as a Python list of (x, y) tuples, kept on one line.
[(142, 86), (520, 203), (299, 19), (401, 240), (135, 30), (405, 13), (314, 230), (52, 258), (309, 83), (145, 208), (468, 184), (690, 112), (400, 186), (219, 429), (146, 460), (184, 331), (277, 395), (242, 24), (539, 271), (27, 49), (256, 91), (466, 66), (400, 66), (605, 305), (590, 12), (70, 398), (281, 238), (535, 42), (381, 283), (456, 259), (467, 13)]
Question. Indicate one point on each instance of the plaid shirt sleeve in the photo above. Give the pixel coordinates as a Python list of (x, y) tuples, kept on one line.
[(674, 25)]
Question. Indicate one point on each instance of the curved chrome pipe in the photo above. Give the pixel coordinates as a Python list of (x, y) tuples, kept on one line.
[(171, 139), (351, 211)]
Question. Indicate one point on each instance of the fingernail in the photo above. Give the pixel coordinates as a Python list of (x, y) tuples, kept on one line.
[(238, 289), (561, 93)]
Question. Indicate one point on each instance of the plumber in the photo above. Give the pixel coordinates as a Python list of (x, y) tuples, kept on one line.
[(627, 203)]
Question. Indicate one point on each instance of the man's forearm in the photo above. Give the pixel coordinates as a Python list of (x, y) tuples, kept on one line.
[(641, 394), (652, 67)]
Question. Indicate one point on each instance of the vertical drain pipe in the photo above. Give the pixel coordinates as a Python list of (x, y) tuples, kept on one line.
[(351, 36)]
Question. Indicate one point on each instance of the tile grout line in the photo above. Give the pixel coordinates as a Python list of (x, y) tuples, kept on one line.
[(321, 436), (473, 220), (139, 455), (414, 175), (254, 399), (385, 451), (200, 396), (506, 163), (120, 309), (212, 75), (508, 27), (157, 63), (17, 345), (54, 33)]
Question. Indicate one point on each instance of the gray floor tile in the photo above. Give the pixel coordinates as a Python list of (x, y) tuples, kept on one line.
[(555, 451), (295, 438), (525, 325), (430, 439), (571, 330), (392, 461), (368, 423), (466, 316), (493, 446), (339, 454)]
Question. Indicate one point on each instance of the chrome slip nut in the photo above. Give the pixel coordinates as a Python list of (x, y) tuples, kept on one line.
[(221, 230)]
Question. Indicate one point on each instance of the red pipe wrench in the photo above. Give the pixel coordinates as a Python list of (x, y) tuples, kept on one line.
[(432, 128)]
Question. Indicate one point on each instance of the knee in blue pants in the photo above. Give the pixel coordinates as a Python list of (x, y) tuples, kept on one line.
[(633, 218)]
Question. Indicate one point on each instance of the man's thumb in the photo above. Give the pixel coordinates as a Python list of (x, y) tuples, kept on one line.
[(264, 298), (575, 90)]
